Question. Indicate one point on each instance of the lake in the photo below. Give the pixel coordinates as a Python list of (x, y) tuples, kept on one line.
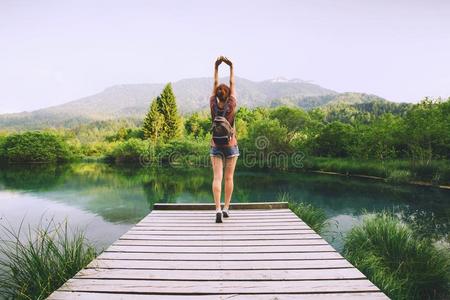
[(106, 201)]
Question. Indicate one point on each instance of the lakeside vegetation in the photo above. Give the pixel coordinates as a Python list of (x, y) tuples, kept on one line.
[(402, 264), (313, 216), (34, 264), (397, 142)]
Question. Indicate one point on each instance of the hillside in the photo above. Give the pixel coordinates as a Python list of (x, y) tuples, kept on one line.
[(133, 100)]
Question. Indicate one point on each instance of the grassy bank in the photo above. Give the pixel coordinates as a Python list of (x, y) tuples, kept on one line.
[(401, 264), (34, 264), (394, 171)]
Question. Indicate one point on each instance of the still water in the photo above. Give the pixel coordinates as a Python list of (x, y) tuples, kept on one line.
[(106, 201)]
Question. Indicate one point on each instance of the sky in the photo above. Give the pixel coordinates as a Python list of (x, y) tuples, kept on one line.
[(52, 52)]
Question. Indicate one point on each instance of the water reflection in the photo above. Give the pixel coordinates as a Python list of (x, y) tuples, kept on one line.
[(114, 198)]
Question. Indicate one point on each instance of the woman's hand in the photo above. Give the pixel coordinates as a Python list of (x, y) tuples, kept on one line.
[(227, 61), (219, 60)]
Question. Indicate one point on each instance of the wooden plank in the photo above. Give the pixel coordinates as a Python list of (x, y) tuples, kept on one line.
[(239, 212), (248, 226), (236, 237), (208, 275), (206, 249), (222, 257), (235, 229), (217, 287), (218, 264), (222, 243), (202, 206), (62, 295), (226, 221), (222, 232), (207, 217)]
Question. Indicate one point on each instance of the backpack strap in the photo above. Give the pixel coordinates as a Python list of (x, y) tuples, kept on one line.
[(216, 108)]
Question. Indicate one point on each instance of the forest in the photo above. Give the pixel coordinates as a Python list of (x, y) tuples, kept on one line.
[(397, 142)]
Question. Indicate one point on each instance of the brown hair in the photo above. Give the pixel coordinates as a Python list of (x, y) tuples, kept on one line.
[(222, 92)]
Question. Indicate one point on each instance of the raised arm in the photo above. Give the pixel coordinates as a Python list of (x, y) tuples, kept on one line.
[(216, 74), (232, 84)]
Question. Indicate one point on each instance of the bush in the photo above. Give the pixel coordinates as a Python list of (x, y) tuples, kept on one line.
[(35, 146), (128, 151), (401, 264), (33, 268), (182, 151), (267, 136)]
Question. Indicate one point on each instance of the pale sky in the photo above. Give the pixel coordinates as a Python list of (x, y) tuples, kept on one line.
[(52, 52)]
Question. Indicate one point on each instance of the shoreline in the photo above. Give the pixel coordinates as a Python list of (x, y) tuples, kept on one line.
[(414, 182)]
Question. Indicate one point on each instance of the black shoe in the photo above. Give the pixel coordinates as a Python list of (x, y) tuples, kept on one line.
[(225, 214), (219, 217)]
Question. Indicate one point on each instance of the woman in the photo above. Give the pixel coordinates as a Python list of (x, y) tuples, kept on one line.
[(223, 103)]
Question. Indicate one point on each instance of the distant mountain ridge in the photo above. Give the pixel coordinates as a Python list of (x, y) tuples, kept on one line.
[(133, 101)]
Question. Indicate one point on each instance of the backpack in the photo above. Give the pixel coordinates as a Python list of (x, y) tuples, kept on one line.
[(222, 131)]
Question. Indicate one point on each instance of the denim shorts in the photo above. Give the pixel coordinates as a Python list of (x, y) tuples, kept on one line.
[(226, 152)]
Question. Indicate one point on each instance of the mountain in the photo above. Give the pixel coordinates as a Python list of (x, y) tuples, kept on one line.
[(133, 101)]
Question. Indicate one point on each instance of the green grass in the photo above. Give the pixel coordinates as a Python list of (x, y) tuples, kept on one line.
[(33, 265), (401, 264), (396, 171), (313, 216)]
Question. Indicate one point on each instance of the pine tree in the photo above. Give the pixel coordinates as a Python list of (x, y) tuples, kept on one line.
[(167, 106), (153, 122)]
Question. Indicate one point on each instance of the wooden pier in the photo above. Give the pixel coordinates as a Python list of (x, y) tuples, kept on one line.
[(263, 251)]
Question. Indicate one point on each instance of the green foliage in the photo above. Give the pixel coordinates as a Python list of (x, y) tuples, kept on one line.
[(267, 136), (153, 122), (334, 140), (197, 125), (34, 265), (162, 120), (293, 119), (399, 176), (35, 146), (401, 264), (182, 151), (124, 134), (313, 216), (427, 130), (131, 150)]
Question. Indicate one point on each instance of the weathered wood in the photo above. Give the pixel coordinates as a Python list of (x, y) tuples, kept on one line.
[(202, 206), (236, 237), (208, 211), (212, 219), (62, 295), (235, 275), (220, 265), (237, 218), (221, 243), (222, 256), (248, 226), (224, 249), (223, 232), (235, 212), (217, 287), (179, 252)]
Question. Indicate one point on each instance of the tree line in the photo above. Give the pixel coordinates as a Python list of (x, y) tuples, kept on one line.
[(377, 131)]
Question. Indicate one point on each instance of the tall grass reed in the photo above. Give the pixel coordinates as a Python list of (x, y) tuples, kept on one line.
[(38, 261)]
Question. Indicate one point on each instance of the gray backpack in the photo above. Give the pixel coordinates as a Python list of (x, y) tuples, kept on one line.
[(222, 131)]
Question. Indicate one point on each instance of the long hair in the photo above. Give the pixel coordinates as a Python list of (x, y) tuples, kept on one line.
[(222, 92)]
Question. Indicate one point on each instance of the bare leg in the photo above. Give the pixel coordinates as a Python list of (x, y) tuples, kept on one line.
[(217, 165), (229, 173)]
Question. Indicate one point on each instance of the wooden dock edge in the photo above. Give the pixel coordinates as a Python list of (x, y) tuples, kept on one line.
[(211, 206)]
